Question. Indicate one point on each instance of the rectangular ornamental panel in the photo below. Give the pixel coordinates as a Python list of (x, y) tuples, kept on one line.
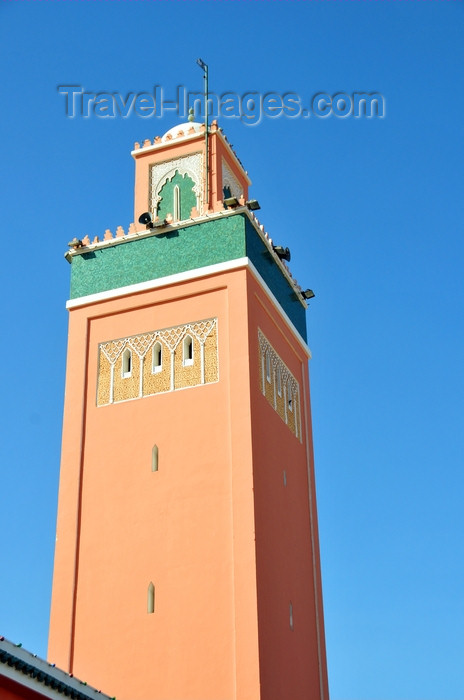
[(279, 386), (157, 361)]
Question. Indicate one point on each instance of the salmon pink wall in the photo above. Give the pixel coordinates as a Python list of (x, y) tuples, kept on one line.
[(292, 661), (189, 527), (177, 149), (225, 543)]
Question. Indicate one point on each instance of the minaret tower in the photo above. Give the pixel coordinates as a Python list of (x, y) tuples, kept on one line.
[(187, 561)]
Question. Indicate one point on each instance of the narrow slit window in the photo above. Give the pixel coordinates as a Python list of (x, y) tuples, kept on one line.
[(268, 366), (290, 397), (176, 207), (279, 381), (157, 358), (154, 458), (151, 598), (127, 363), (291, 616), (188, 351)]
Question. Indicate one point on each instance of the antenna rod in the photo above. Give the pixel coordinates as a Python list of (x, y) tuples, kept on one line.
[(204, 67)]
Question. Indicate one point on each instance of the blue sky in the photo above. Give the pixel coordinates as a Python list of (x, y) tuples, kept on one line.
[(372, 212)]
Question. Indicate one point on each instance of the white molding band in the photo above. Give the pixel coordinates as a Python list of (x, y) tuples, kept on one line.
[(197, 273), (279, 308), (156, 283), (108, 243)]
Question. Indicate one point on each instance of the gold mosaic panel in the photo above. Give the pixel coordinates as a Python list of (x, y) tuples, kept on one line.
[(270, 362), (291, 416), (112, 386), (280, 402), (211, 361), (104, 379), (187, 375), (126, 387), (269, 384), (155, 382)]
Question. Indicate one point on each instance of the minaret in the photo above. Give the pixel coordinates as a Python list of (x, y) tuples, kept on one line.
[(187, 561)]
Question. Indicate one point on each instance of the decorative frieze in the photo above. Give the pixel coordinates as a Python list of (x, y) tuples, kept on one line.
[(160, 173), (279, 386), (158, 361), (229, 180)]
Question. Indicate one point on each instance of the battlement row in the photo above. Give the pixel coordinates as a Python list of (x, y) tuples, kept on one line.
[(86, 241)]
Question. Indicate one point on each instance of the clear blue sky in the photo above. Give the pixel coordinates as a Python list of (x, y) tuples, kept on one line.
[(372, 211)]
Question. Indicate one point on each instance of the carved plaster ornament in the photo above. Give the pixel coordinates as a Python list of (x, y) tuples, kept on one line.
[(160, 173)]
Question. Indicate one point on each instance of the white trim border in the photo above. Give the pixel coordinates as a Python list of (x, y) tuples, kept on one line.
[(156, 283), (186, 276)]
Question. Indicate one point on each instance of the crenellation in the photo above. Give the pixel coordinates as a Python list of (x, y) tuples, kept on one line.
[(108, 235)]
